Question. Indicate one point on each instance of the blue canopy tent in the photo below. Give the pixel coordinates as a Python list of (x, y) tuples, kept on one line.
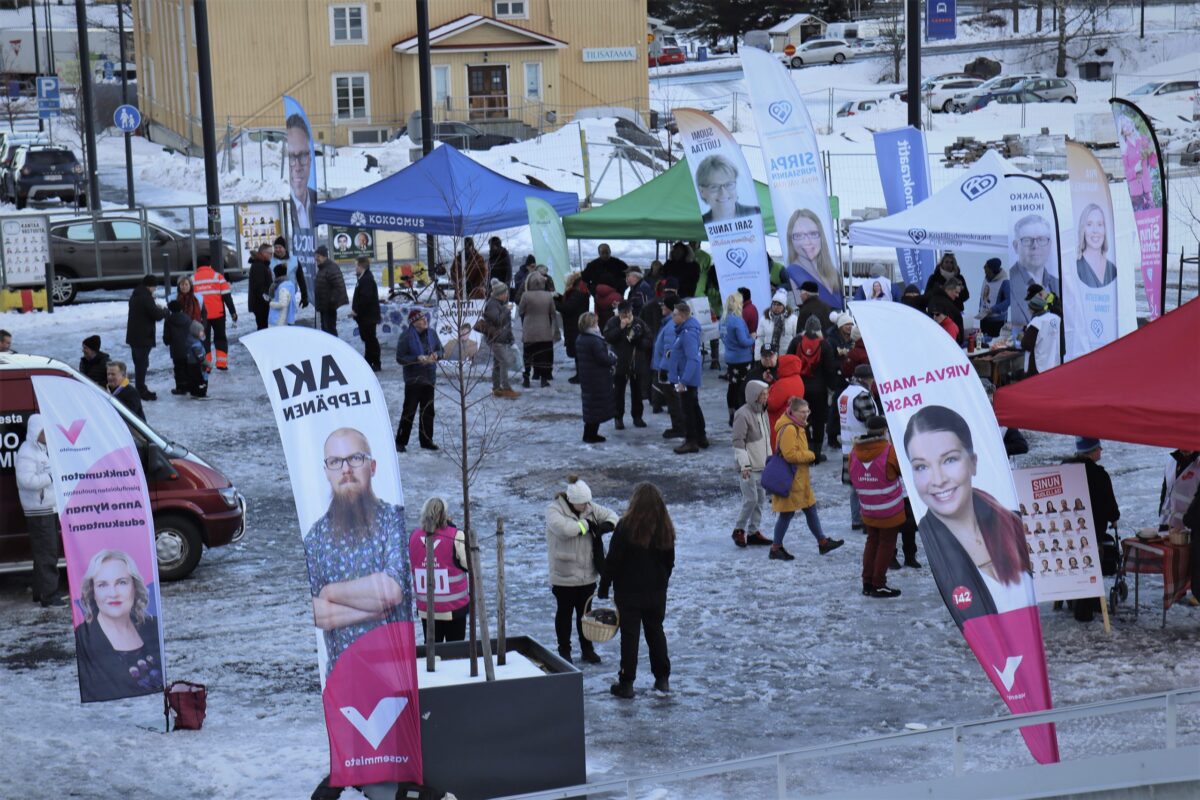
[(443, 194)]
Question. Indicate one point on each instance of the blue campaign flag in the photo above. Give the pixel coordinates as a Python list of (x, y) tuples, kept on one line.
[(940, 20), (302, 181), (904, 172)]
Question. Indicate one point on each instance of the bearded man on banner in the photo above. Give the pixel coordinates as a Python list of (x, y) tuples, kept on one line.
[(357, 551)]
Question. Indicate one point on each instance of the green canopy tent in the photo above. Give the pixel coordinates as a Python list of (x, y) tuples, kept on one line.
[(666, 208)]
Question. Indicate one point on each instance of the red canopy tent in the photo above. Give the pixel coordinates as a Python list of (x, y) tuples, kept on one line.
[(1142, 388)]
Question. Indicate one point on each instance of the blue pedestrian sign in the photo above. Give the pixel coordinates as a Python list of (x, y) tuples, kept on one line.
[(127, 118), (48, 96)]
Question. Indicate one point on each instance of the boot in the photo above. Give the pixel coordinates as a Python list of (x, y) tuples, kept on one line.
[(565, 655), (619, 424), (622, 689), (525, 382), (912, 562), (884, 592), (757, 538), (779, 554), (739, 537), (662, 685), (545, 382), (895, 563), (829, 545), (590, 656), (687, 447), (639, 423), (671, 433), (594, 439)]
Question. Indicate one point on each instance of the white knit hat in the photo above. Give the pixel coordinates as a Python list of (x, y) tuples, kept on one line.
[(844, 319), (578, 493), (780, 296)]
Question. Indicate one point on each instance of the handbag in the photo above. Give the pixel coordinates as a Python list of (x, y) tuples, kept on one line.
[(778, 473), (189, 701)]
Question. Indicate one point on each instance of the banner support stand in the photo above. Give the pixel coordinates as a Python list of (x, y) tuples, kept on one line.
[(1104, 612)]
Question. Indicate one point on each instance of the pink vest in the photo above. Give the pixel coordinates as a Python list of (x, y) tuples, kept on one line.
[(878, 497), (450, 591)]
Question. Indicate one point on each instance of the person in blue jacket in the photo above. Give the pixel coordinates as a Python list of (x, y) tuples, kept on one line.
[(739, 352), (684, 364), (661, 387)]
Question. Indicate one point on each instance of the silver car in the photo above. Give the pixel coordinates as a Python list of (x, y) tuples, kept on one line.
[(1052, 89)]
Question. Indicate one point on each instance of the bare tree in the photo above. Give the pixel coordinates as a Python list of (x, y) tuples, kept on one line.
[(892, 32), (1080, 26)]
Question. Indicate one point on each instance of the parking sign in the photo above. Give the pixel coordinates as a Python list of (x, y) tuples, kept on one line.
[(48, 96)]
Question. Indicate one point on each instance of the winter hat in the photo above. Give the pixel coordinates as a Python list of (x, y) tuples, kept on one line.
[(280, 241), (812, 327), (912, 288), (498, 289), (92, 343), (767, 349), (280, 269), (323, 251), (780, 297), (754, 389), (1037, 303), (670, 298), (1085, 444), (810, 287), (876, 425), (578, 492), (843, 319), (863, 372), (174, 305), (992, 266), (415, 314), (633, 271)]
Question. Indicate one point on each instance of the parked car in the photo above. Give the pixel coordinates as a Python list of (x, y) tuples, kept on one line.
[(40, 171), (856, 107), (981, 95), (1018, 97), (193, 503), (940, 94), (1053, 90), (75, 243), (820, 51), (1159, 88), (902, 94), (669, 55)]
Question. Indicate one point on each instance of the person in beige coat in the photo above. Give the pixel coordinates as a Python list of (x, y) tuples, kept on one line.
[(792, 441), (539, 328), (751, 446), (574, 525)]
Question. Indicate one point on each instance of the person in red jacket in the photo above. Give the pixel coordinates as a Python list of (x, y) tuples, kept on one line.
[(215, 294), (606, 303), (749, 310), (857, 355), (788, 384)]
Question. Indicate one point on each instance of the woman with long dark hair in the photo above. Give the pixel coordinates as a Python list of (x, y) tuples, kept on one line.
[(978, 542), (640, 559)]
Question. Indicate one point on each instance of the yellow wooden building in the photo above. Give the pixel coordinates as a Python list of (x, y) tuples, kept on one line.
[(514, 67)]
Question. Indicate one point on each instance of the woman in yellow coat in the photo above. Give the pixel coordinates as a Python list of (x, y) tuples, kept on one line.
[(792, 440)]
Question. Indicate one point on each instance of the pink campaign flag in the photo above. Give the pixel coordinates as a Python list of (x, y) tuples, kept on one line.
[(1142, 159), (958, 479)]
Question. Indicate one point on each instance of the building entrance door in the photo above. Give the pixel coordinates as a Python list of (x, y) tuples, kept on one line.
[(487, 92)]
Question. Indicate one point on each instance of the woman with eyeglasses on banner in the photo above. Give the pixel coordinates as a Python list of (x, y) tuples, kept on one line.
[(717, 182), (809, 258)]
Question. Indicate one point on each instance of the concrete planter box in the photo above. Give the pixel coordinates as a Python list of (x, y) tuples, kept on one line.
[(482, 740)]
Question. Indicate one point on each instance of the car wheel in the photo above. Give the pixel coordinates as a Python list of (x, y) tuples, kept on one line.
[(64, 289), (178, 546), (947, 106), (1068, 100), (838, 58), (797, 62)]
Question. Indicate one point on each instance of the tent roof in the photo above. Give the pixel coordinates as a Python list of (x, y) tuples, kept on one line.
[(664, 208), (1142, 388), (971, 214), (445, 194)]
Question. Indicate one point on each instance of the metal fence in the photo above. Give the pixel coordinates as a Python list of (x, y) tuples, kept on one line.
[(791, 772)]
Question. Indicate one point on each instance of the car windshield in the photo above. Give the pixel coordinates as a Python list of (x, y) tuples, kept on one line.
[(49, 158), (1145, 88)]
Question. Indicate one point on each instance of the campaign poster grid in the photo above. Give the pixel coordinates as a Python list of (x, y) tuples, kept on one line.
[(108, 537), (1090, 273), (258, 224), (728, 204), (796, 177), (956, 471), (1056, 513), (1142, 159), (341, 458), (301, 158), (26, 249)]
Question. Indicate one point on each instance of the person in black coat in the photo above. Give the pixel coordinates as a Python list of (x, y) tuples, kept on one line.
[(258, 297), (364, 309), (1105, 511), (641, 558), (94, 361), (594, 363), (683, 269), (499, 262), (141, 331), (632, 343), (571, 305), (118, 386), (418, 351), (606, 269), (175, 336)]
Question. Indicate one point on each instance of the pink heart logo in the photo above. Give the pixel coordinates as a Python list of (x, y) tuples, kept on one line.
[(72, 433)]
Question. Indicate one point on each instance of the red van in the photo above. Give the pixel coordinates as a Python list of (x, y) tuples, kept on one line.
[(194, 505)]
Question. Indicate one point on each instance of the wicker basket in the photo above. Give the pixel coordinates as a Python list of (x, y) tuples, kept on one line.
[(1179, 537), (595, 630)]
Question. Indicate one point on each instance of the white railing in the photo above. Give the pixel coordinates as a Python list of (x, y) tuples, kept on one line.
[(1163, 701)]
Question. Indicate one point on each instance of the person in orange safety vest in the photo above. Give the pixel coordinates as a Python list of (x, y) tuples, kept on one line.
[(215, 293)]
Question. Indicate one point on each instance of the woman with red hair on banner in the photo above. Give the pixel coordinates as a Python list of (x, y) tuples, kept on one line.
[(972, 541)]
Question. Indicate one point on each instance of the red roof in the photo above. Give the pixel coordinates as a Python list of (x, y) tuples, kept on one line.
[(1143, 388)]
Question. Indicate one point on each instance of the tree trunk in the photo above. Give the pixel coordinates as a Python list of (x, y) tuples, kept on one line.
[(1040, 3), (1016, 16), (1060, 69), (501, 605)]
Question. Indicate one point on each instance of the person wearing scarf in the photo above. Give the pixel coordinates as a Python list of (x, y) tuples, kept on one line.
[(418, 352)]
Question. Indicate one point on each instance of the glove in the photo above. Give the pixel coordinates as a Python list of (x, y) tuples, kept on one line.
[(604, 527), (304, 302)]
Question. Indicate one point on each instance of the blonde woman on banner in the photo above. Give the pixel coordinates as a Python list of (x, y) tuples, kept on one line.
[(809, 258)]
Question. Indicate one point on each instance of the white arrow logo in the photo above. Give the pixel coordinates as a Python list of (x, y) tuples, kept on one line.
[(1008, 675), (374, 728)]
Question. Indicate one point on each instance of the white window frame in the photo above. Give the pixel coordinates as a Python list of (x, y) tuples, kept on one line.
[(345, 7), (525, 69), (381, 135), (333, 85), (508, 13), (442, 69)]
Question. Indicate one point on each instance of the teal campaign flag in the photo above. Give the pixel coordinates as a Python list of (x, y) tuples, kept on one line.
[(549, 240)]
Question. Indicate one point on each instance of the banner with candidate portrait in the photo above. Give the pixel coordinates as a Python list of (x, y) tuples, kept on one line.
[(348, 243), (1090, 274), (904, 173), (1146, 182), (1034, 235), (956, 472), (108, 537), (1060, 535), (729, 205), (341, 459), (301, 156), (796, 178), (549, 240)]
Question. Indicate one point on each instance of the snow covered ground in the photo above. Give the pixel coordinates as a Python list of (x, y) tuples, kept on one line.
[(766, 655)]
